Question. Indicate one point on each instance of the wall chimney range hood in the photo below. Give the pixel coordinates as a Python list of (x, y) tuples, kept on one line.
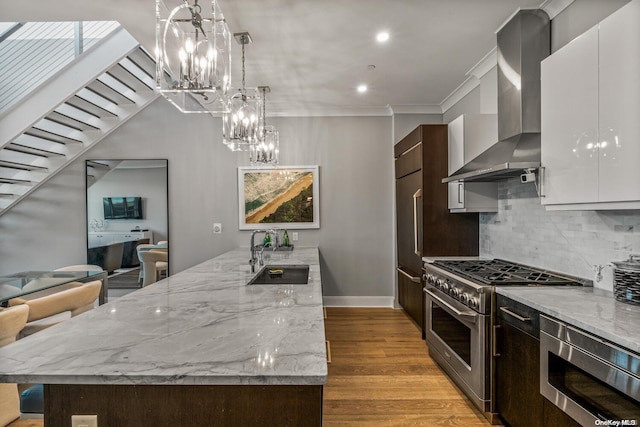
[(522, 43)]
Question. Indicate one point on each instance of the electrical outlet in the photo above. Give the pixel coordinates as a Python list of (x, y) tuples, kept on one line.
[(217, 228), (84, 421), (294, 236)]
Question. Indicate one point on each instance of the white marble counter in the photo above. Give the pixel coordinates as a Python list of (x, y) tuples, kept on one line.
[(200, 326), (593, 310)]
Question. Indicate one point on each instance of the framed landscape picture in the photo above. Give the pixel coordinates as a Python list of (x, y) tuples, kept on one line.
[(278, 197)]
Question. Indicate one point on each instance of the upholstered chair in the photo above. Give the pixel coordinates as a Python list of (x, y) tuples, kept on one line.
[(12, 320), (43, 311), (152, 262), (160, 266)]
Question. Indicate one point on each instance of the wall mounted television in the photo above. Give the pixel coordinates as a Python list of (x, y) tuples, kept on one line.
[(122, 207)]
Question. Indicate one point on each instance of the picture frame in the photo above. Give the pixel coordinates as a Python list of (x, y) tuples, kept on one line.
[(284, 197)]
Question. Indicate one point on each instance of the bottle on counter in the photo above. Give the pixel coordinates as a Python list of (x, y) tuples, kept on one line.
[(285, 238), (267, 240)]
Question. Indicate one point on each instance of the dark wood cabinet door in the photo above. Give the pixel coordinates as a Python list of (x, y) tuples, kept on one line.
[(406, 188), (411, 299), (518, 398), (553, 416)]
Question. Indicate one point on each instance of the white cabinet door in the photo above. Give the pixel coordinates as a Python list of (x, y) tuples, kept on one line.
[(456, 161), (469, 135), (619, 125), (570, 122)]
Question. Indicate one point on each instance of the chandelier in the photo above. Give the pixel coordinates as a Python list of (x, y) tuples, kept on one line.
[(193, 55), (266, 149), (240, 122)]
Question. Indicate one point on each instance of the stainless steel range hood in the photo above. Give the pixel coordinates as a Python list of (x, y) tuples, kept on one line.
[(522, 43)]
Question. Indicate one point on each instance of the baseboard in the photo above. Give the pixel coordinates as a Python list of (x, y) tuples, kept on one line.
[(363, 301)]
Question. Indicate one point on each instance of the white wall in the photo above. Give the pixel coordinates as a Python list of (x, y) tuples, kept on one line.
[(148, 183), (356, 203)]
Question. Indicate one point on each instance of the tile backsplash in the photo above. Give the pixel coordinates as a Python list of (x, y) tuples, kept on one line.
[(570, 242)]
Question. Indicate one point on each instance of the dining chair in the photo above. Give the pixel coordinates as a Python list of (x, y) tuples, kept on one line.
[(153, 261), (12, 320), (161, 266), (44, 311)]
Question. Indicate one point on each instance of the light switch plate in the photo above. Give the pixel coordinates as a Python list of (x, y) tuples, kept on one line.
[(84, 421), (217, 228), (294, 236)]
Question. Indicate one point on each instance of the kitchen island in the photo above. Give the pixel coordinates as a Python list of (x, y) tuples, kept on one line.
[(197, 348)]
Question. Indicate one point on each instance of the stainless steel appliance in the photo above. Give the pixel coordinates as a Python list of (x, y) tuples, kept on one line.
[(588, 378), (459, 296)]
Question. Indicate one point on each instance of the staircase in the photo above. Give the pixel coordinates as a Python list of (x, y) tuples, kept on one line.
[(71, 112)]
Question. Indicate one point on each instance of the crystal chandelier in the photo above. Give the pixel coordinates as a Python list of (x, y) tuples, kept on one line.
[(266, 150), (193, 52), (240, 122)]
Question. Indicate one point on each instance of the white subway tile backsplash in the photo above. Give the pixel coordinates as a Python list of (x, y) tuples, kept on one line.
[(569, 242)]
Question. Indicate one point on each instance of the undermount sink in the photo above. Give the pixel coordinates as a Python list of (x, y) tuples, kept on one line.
[(282, 275)]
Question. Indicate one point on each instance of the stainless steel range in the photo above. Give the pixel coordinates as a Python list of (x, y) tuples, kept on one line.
[(459, 296)]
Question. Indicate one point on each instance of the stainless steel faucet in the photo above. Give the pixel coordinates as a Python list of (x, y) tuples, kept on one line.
[(274, 246)]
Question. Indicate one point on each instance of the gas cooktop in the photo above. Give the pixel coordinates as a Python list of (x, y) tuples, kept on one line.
[(501, 272)]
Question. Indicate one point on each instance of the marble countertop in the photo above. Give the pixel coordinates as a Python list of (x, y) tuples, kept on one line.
[(200, 326), (591, 309)]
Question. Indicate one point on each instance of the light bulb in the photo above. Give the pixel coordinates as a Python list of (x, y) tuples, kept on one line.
[(182, 55), (188, 45)]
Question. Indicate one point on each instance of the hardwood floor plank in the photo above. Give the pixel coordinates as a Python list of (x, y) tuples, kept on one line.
[(381, 375)]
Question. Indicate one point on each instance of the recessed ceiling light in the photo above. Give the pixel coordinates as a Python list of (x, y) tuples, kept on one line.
[(382, 36), (362, 88)]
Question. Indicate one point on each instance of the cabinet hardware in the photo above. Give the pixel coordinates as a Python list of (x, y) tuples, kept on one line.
[(328, 344), (494, 346), (460, 192), (404, 273), (541, 174), (416, 196), (517, 316)]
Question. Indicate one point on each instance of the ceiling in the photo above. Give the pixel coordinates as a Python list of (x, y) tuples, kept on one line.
[(313, 54)]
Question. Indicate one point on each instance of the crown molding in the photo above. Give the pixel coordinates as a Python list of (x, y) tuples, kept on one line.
[(486, 64), (460, 92), (311, 111), (416, 109)]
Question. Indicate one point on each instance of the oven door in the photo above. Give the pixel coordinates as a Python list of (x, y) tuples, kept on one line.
[(589, 379), (457, 338)]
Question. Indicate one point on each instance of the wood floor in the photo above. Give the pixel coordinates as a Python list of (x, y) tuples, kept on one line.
[(381, 375)]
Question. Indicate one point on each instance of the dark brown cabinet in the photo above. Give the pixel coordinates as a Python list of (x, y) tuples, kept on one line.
[(517, 369), (424, 225), (410, 298)]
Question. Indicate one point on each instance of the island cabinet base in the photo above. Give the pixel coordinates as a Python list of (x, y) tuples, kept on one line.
[(184, 405)]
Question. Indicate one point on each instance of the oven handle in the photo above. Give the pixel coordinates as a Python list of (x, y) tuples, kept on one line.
[(413, 279), (466, 315)]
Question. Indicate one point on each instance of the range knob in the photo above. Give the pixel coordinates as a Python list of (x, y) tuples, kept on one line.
[(431, 279), (473, 302), (455, 292), (445, 286), (464, 298)]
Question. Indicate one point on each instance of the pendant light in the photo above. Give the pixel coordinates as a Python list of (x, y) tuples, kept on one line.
[(266, 150), (240, 122), (193, 55)]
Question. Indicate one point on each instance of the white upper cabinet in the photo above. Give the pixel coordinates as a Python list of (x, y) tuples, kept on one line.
[(569, 136), (619, 121), (590, 117), (470, 135)]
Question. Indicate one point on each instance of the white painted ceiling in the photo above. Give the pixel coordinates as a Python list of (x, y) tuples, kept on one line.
[(313, 53)]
